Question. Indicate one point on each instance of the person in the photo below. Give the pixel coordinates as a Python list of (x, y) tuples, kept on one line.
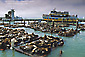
[(61, 52), (12, 43)]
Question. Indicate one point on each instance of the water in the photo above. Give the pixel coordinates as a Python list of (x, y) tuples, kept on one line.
[(73, 47)]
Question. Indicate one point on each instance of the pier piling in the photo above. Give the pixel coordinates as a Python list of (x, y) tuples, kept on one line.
[(76, 24), (53, 22), (21, 21), (28, 22), (3, 22), (24, 22), (9, 23)]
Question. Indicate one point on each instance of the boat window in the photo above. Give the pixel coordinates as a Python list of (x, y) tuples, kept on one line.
[(56, 18), (49, 18)]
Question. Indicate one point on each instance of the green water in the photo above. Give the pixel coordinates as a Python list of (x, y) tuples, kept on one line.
[(73, 47)]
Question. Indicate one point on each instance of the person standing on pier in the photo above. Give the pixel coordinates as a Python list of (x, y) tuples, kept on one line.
[(12, 43)]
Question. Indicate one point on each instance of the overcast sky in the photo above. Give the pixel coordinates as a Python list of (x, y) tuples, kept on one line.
[(35, 8)]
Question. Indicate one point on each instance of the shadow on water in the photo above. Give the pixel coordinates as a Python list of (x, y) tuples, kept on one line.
[(60, 55), (4, 54)]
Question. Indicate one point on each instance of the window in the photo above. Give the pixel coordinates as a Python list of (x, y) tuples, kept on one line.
[(56, 18), (49, 18)]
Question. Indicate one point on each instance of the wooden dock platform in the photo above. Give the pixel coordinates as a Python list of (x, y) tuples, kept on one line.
[(21, 51)]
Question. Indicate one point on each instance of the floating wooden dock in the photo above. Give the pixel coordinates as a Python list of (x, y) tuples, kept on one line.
[(21, 51)]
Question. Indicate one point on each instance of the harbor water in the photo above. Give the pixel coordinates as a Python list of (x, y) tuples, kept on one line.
[(73, 47)]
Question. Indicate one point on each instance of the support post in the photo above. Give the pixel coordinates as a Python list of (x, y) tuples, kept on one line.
[(28, 22), (24, 22), (62, 19), (9, 22), (76, 24), (53, 22), (47, 22), (21, 21), (3, 21)]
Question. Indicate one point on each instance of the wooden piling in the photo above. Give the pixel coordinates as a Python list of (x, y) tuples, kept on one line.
[(47, 22), (53, 22), (3, 22), (24, 22), (21, 21), (9, 22), (76, 24), (28, 22)]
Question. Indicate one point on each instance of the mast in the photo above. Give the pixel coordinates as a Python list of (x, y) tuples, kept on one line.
[(54, 9)]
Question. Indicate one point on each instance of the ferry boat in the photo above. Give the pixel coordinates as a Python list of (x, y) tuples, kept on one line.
[(60, 16)]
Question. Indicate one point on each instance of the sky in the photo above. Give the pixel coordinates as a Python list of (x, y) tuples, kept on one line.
[(36, 8)]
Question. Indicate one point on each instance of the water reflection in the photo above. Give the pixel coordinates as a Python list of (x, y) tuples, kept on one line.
[(72, 46), (4, 54), (13, 53)]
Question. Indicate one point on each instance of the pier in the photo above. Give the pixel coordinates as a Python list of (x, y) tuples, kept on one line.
[(72, 32), (39, 20)]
